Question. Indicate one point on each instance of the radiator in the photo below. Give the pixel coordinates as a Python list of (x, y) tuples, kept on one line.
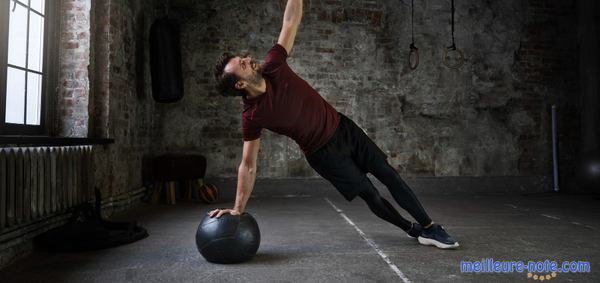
[(36, 182)]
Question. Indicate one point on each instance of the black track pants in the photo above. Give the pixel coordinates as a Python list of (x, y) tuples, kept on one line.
[(346, 159)]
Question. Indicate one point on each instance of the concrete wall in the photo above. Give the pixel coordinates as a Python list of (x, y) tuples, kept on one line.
[(488, 118)]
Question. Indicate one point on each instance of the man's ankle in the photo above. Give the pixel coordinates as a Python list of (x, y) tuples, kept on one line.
[(428, 226)]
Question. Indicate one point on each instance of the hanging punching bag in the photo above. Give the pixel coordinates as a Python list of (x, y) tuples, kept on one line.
[(165, 61)]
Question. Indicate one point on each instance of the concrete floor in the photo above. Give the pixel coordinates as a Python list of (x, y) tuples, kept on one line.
[(305, 239)]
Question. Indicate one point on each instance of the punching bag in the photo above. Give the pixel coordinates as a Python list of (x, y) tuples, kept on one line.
[(165, 61)]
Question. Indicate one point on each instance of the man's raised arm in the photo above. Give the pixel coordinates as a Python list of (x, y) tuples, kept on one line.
[(291, 21)]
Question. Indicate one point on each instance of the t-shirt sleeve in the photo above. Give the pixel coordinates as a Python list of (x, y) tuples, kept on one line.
[(250, 129), (275, 58)]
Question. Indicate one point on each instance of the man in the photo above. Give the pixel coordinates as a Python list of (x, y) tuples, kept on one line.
[(277, 99)]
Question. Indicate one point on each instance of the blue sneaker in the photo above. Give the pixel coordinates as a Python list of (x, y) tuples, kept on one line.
[(415, 230), (437, 236)]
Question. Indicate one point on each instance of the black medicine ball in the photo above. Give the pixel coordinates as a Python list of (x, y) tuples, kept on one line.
[(228, 239)]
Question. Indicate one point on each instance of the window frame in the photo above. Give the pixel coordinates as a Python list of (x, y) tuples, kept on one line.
[(49, 70)]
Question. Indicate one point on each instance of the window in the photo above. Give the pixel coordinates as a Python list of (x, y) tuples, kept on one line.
[(24, 75)]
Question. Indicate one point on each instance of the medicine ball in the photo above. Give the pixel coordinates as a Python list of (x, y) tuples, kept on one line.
[(209, 193), (228, 239)]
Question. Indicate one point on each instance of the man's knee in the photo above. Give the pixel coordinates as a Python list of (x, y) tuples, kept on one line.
[(370, 194)]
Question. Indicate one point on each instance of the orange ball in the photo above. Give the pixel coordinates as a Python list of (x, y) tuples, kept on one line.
[(209, 193)]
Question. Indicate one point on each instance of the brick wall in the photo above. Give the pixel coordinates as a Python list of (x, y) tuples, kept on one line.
[(490, 117), (103, 92), (105, 88), (123, 107), (73, 87), (547, 69)]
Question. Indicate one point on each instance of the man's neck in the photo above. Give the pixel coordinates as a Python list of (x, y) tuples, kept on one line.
[(254, 91)]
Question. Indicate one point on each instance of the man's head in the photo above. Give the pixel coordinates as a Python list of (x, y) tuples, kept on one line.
[(234, 74)]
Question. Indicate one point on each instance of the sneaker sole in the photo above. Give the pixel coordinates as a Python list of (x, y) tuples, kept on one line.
[(430, 242)]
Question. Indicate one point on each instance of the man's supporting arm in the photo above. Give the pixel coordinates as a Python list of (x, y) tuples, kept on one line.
[(291, 21), (246, 178), (246, 174)]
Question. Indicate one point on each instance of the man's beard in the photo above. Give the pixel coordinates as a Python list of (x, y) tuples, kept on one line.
[(256, 77)]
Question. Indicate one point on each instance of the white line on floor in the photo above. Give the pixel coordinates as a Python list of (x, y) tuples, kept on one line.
[(371, 243), (556, 218), (297, 196), (550, 216)]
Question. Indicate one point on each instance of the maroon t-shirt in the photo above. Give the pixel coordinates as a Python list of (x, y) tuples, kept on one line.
[(289, 107)]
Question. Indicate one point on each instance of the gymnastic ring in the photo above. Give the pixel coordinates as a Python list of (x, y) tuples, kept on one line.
[(461, 57), (413, 51)]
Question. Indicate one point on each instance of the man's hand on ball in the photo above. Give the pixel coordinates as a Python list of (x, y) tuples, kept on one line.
[(218, 212)]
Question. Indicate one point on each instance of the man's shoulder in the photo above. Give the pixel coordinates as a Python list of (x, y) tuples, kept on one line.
[(276, 57), (279, 49)]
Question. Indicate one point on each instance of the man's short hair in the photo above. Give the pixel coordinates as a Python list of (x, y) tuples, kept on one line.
[(225, 82)]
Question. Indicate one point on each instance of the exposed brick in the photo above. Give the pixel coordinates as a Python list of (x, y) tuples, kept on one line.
[(354, 53)]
